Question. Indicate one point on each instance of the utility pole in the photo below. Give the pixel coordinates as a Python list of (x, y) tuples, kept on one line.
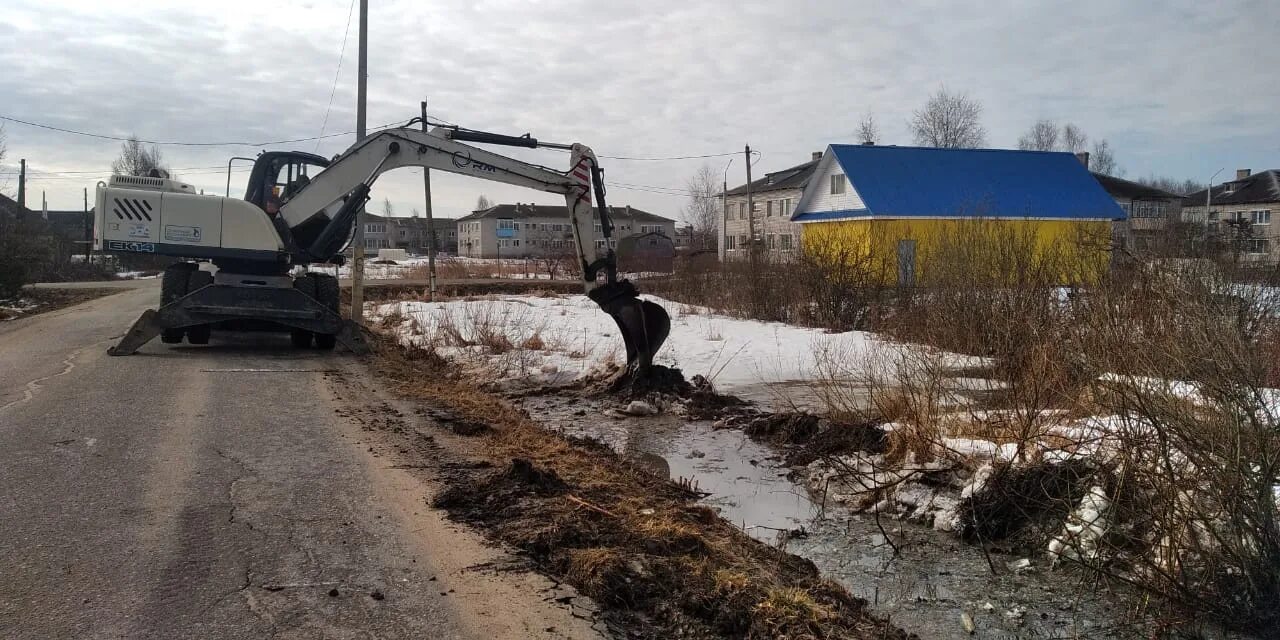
[(431, 227), (751, 207), (22, 185), (357, 255)]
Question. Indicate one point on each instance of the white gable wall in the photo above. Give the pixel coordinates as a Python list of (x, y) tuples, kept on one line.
[(818, 196)]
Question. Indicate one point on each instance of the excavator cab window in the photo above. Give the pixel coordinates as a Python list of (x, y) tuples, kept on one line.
[(282, 174)]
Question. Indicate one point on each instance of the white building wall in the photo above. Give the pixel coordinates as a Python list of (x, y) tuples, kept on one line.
[(823, 199)]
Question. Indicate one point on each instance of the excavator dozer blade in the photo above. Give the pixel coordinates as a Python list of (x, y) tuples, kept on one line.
[(644, 324)]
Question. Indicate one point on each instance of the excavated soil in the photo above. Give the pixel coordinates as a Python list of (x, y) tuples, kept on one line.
[(658, 564)]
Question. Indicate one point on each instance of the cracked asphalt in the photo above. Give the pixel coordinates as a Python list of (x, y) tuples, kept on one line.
[(219, 492)]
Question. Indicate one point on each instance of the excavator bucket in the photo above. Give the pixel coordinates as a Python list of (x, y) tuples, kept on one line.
[(644, 324)]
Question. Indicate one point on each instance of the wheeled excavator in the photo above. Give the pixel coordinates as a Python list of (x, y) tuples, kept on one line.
[(300, 210)]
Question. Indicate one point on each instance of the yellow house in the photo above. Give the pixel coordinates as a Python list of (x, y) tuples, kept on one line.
[(917, 215)]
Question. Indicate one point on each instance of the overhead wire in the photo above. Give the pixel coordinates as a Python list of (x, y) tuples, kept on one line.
[(177, 143), (346, 31)]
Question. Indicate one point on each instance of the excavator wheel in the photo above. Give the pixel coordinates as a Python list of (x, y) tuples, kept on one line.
[(301, 338), (199, 334), (326, 287), (173, 285)]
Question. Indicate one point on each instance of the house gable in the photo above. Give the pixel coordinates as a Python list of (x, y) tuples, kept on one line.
[(818, 203)]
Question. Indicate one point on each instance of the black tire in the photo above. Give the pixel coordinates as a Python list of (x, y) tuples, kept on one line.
[(326, 294), (173, 285), (200, 333), (301, 338)]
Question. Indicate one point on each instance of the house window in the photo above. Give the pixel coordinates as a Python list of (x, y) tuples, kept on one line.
[(742, 211), (786, 207), (1261, 216), (768, 209), (771, 242), (784, 242), (597, 227), (371, 243), (651, 228), (1145, 209), (742, 241), (404, 233), (731, 243), (1258, 246), (375, 227), (506, 224), (837, 184), (515, 243)]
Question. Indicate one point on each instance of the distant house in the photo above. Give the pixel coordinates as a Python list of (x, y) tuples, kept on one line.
[(410, 234), (1149, 215), (1239, 212), (774, 197), (894, 205), (525, 230), (652, 252)]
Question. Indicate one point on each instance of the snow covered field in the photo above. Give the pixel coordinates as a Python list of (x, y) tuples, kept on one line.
[(577, 339)]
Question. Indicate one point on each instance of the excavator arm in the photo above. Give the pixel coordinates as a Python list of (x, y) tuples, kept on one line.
[(343, 187)]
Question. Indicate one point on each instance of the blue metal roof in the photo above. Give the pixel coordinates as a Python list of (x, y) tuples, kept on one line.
[(926, 182)]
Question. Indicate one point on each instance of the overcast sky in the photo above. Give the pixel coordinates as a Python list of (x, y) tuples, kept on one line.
[(1179, 88)]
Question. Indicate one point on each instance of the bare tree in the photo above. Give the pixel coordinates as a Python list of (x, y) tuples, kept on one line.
[(1172, 185), (868, 132), (949, 121), (1042, 136), (387, 209), (702, 211), (137, 160), (1073, 138), (1103, 160), (414, 213), (483, 203)]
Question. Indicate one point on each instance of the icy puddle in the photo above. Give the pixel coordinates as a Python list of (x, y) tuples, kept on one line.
[(932, 583)]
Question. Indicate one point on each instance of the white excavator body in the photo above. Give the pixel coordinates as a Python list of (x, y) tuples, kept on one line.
[(300, 209)]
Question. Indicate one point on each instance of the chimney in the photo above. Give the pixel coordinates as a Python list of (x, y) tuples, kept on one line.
[(1241, 174), (817, 155), (1083, 157), (628, 211)]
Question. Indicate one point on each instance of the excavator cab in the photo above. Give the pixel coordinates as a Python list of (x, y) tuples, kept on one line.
[(282, 173)]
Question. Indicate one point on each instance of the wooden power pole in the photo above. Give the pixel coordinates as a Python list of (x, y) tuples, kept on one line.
[(22, 186), (431, 227), (357, 255)]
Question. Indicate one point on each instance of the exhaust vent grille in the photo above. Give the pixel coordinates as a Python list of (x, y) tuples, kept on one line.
[(138, 181), (135, 209)]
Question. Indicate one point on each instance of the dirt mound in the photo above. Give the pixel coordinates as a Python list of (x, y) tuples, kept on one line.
[(1023, 507), (807, 437)]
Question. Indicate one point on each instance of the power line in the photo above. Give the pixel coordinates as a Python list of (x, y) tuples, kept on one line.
[(336, 74), (696, 157), (184, 144)]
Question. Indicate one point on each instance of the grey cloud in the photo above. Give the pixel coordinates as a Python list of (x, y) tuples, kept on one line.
[(643, 78)]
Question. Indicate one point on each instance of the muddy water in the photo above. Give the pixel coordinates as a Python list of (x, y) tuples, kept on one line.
[(925, 586)]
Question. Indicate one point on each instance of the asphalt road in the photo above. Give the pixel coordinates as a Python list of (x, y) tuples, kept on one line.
[(214, 492)]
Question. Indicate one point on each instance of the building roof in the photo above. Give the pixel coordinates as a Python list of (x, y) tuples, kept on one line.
[(520, 210), (420, 221), (790, 178), (915, 182), (1120, 188), (1263, 186)]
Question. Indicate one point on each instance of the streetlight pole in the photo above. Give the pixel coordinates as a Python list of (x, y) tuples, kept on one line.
[(1208, 195), (722, 236), (357, 255)]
